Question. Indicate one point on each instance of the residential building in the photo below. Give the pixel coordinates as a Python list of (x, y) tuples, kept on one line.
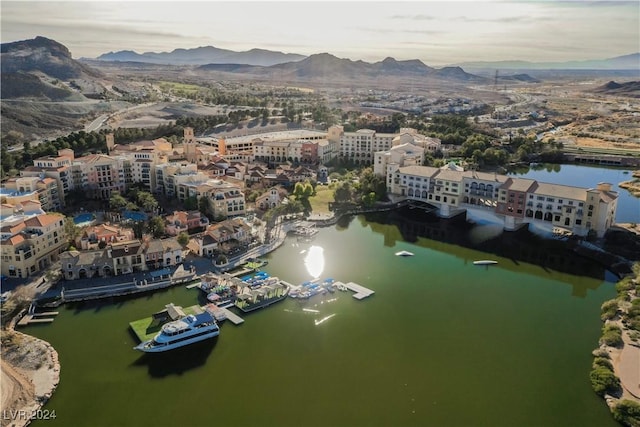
[(271, 198), (43, 189), (513, 202), (224, 237), (181, 221), (31, 243)]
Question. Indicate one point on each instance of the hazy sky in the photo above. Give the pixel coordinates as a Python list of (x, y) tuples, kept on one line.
[(437, 32)]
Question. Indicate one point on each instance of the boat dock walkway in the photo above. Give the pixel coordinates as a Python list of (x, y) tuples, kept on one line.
[(360, 291), (234, 318), (193, 285), (32, 317)]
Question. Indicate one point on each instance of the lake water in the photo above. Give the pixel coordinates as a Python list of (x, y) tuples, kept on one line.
[(442, 342), (590, 176)]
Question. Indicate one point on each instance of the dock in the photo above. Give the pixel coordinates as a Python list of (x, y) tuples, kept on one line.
[(360, 291), (28, 319), (234, 318), (147, 328), (193, 285), (32, 317)]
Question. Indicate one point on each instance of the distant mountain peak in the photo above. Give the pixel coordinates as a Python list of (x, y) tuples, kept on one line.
[(203, 55)]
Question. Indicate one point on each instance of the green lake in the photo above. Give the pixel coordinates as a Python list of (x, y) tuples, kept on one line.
[(441, 343)]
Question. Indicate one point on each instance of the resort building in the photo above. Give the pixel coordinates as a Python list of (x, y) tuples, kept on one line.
[(181, 221), (31, 244), (512, 202), (19, 190), (272, 198), (98, 236), (56, 167), (224, 199), (224, 237), (122, 257), (360, 146)]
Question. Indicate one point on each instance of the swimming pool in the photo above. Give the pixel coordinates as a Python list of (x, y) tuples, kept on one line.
[(134, 216), (84, 219)]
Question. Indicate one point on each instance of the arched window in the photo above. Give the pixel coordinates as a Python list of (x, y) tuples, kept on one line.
[(538, 215)]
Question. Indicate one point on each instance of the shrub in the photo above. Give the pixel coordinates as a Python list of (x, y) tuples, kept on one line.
[(624, 285), (604, 381), (609, 310), (611, 336), (603, 362), (627, 412)]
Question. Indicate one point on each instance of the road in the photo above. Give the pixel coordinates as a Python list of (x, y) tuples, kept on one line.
[(102, 120)]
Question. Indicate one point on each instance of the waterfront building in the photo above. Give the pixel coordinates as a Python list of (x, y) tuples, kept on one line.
[(224, 237), (512, 202), (121, 257), (163, 252), (405, 154), (31, 243)]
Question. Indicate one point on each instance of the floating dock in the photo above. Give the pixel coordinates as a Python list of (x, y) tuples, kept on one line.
[(32, 317), (234, 318), (360, 291), (147, 328), (28, 319)]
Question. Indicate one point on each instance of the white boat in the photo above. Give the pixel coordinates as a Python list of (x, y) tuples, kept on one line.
[(178, 333), (485, 262), (404, 253)]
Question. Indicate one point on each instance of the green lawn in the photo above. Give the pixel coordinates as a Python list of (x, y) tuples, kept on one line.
[(145, 329), (320, 202)]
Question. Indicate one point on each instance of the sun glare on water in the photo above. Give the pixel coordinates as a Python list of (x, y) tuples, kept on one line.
[(314, 261)]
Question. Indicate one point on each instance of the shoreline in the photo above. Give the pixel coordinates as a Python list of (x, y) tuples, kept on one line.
[(30, 374)]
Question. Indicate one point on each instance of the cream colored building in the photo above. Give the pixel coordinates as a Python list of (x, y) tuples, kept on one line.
[(32, 244), (511, 201)]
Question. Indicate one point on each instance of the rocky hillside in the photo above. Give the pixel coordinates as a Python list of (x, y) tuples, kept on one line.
[(326, 67), (631, 89), (43, 68)]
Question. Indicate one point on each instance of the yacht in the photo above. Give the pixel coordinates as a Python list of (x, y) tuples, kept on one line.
[(181, 332)]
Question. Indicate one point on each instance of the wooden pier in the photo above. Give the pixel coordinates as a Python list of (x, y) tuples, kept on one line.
[(32, 317), (360, 291), (234, 318)]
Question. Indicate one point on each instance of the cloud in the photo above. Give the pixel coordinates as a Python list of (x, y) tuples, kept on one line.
[(418, 17)]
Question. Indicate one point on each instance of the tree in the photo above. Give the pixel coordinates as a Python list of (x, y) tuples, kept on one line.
[(117, 202), (343, 192), (71, 230), (191, 203), (203, 205), (627, 412), (183, 238), (155, 226), (146, 200)]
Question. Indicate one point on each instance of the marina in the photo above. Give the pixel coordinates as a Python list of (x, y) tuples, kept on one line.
[(341, 341)]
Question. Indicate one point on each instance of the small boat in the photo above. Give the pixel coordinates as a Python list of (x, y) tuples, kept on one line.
[(404, 253), (485, 262)]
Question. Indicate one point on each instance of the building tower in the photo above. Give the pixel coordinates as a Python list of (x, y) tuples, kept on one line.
[(189, 144), (111, 142)]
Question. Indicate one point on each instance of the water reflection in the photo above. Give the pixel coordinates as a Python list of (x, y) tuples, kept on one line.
[(178, 361), (519, 246), (314, 261)]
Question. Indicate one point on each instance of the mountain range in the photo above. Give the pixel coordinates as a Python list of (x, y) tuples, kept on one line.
[(203, 55), (327, 67), (625, 62), (261, 57)]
